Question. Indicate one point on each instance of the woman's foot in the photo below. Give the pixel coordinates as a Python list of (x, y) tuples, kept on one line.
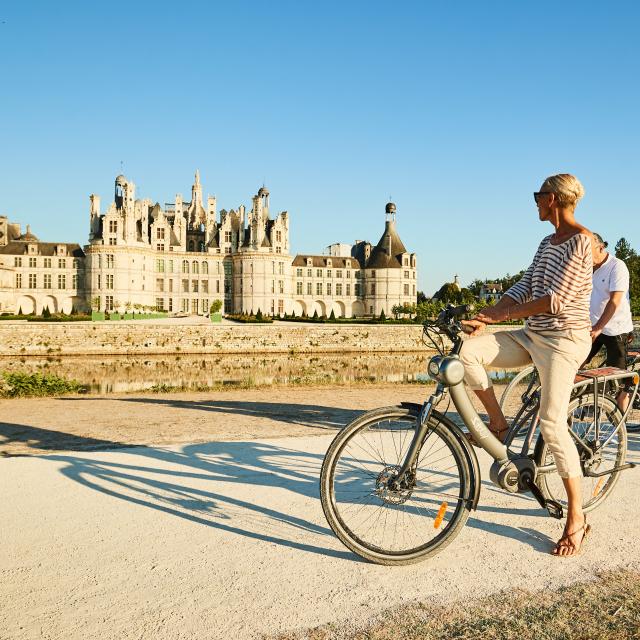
[(498, 433), (572, 544)]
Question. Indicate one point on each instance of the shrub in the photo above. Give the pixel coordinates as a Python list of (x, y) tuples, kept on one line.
[(18, 384)]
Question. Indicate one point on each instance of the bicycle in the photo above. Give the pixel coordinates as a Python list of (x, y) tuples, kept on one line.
[(526, 380), (398, 483)]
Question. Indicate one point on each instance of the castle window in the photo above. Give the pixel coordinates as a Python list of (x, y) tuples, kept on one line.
[(227, 236), (159, 304), (299, 273), (76, 281), (62, 264), (348, 264), (185, 266), (373, 273), (194, 286), (62, 281), (273, 286), (348, 289), (204, 286), (319, 288), (110, 260), (47, 281), (328, 288), (339, 273), (309, 289), (112, 241), (406, 274), (32, 281), (75, 263), (185, 306), (108, 303), (18, 281), (159, 247), (227, 250), (33, 263), (205, 267), (278, 236), (278, 250), (348, 274), (159, 284), (170, 304), (357, 275), (280, 307), (217, 286), (195, 267), (405, 262), (17, 262), (99, 281), (281, 286), (99, 261), (160, 233), (406, 289), (185, 286), (109, 282), (357, 289), (281, 268), (309, 273), (170, 285), (319, 273), (194, 307), (373, 289), (299, 288), (160, 266), (339, 289), (113, 226), (328, 273)]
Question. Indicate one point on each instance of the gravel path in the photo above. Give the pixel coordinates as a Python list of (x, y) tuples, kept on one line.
[(223, 539)]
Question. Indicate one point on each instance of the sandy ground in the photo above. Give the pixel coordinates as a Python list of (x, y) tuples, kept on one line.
[(223, 536)]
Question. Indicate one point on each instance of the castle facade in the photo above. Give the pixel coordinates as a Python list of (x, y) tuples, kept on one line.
[(182, 256)]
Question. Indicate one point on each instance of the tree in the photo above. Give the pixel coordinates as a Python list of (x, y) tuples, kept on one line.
[(421, 297), (332, 316), (215, 307), (315, 314), (259, 315), (382, 316), (624, 250)]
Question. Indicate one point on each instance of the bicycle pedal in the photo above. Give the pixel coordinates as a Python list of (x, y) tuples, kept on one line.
[(554, 509)]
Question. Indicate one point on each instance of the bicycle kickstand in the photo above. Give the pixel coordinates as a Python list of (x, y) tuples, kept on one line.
[(554, 508)]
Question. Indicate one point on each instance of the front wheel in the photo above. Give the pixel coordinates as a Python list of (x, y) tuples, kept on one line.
[(411, 522)]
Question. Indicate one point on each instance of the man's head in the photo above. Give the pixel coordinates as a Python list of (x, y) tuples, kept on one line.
[(599, 248)]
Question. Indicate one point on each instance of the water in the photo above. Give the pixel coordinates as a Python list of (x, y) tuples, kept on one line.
[(112, 374)]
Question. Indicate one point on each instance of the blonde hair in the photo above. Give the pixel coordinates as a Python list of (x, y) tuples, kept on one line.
[(567, 188)]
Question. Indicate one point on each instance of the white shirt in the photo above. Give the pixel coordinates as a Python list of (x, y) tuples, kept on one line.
[(611, 275)]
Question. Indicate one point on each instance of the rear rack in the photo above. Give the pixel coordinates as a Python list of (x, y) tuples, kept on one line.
[(603, 375)]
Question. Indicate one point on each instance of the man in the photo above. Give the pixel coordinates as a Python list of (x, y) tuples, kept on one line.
[(611, 321)]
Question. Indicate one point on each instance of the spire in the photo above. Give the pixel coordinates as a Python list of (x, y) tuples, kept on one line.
[(197, 178)]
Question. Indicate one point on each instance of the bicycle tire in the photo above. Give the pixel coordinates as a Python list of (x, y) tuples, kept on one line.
[(339, 483), (594, 490), (633, 418), (511, 399)]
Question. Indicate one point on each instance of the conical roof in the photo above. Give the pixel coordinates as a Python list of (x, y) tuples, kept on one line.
[(387, 254)]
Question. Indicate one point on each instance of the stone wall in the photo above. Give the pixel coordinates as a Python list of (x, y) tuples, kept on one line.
[(80, 338), (138, 338)]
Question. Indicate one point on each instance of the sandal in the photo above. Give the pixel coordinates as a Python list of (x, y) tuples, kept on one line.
[(497, 433), (565, 541)]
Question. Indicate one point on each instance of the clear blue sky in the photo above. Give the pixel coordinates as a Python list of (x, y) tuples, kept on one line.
[(456, 110)]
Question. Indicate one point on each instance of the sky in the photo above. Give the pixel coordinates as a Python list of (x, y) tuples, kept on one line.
[(456, 111)]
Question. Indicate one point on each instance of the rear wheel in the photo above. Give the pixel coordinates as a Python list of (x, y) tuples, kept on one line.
[(514, 394), (406, 524), (606, 449)]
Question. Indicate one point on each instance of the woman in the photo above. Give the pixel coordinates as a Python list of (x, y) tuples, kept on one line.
[(553, 295)]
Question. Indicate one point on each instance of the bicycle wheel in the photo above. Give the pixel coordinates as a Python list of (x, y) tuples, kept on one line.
[(633, 418), (512, 397), (403, 526), (607, 450)]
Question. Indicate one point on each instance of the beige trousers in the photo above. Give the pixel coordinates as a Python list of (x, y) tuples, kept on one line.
[(557, 356)]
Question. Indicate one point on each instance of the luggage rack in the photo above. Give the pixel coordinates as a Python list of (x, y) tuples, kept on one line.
[(598, 378)]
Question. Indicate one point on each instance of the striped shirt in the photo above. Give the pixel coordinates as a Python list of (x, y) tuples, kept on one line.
[(564, 272)]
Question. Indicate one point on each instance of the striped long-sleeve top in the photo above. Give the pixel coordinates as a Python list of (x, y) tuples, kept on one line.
[(562, 271)]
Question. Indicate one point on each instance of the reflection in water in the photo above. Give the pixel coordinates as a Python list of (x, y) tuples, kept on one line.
[(108, 374)]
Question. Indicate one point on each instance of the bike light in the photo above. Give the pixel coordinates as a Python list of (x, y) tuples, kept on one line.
[(434, 367)]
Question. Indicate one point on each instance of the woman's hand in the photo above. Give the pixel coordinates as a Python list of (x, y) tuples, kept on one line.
[(491, 315), (472, 327)]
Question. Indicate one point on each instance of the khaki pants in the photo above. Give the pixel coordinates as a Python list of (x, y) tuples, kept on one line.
[(557, 356)]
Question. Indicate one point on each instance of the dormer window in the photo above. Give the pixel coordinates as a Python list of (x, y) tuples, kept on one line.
[(33, 249)]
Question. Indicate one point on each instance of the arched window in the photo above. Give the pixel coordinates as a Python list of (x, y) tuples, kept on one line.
[(205, 267), (185, 266), (194, 267)]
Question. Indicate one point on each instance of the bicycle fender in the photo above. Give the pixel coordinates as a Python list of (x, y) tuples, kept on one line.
[(470, 454)]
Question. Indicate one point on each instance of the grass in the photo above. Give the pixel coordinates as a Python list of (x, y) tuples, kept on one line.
[(21, 385), (607, 608)]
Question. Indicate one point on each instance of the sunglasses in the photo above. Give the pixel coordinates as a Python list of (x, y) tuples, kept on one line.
[(537, 194)]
